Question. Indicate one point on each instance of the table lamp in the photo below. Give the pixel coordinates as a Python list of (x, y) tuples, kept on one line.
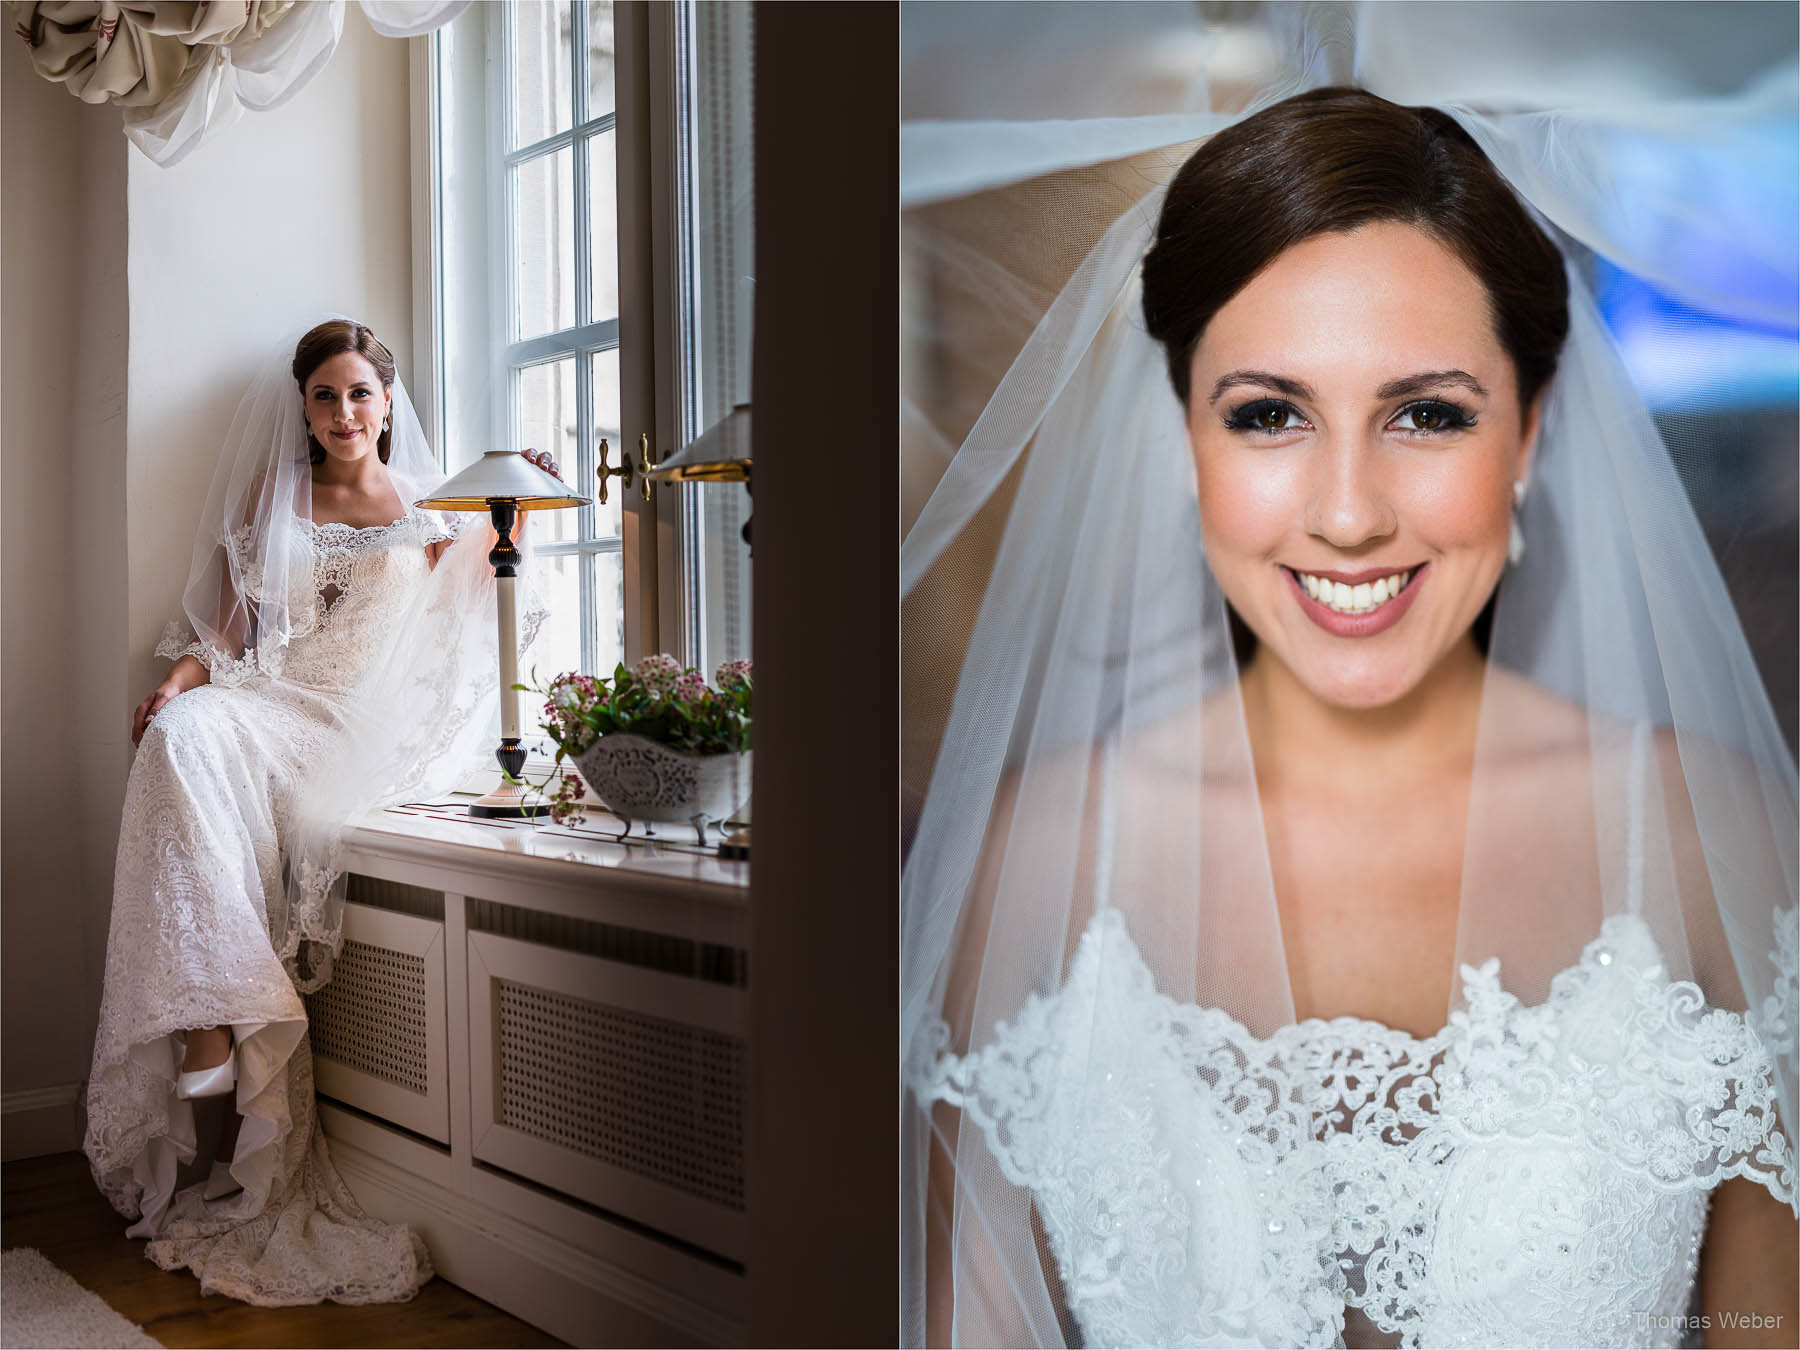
[(503, 483)]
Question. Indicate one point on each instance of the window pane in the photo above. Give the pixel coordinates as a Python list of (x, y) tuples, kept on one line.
[(609, 591), (603, 378), (718, 309), (721, 187), (467, 390), (723, 509), (544, 237), (547, 413), (600, 57), (558, 647), (541, 36), (603, 225)]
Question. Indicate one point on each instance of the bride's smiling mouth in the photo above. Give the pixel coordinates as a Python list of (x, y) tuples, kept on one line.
[(1357, 604)]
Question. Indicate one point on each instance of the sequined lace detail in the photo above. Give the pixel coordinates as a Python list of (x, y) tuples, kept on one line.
[(1526, 1176)]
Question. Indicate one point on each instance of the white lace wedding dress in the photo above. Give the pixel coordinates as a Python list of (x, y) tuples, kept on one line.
[(1527, 1176), (207, 811)]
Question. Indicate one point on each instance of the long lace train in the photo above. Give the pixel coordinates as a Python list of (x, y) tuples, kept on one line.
[(208, 808)]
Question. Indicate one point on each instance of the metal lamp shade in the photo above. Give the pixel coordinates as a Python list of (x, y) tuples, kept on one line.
[(720, 454), (502, 475)]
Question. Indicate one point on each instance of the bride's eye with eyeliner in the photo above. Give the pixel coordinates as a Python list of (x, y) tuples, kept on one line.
[(1267, 415), (1433, 417)]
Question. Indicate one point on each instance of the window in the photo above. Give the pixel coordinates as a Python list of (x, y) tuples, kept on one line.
[(715, 198), (586, 223)]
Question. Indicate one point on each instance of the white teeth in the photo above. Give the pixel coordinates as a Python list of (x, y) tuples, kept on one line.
[(1360, 599)]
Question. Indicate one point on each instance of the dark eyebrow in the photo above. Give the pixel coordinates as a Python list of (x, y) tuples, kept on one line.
[(1431, 379), (1400, 388), (354, 384)]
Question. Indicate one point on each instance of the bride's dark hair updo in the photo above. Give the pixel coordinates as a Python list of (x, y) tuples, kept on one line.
[(1328, 161), (332, 338)]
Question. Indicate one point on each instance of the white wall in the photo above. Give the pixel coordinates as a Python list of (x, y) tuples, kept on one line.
[(61, 441), (137, 302)]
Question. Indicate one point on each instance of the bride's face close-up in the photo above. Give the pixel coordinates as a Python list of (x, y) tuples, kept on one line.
[(345, 405), (1356, 431)]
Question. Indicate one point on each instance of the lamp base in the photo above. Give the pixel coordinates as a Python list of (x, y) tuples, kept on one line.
[(736, 846), (510, 801)]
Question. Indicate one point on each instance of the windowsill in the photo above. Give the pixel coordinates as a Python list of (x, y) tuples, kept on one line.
[(518, 852)]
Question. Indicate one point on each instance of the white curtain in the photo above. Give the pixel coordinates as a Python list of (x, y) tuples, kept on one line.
[(182, 72)]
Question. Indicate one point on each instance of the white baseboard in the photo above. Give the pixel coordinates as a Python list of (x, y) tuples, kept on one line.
[(572, 1294), (40, 1121)]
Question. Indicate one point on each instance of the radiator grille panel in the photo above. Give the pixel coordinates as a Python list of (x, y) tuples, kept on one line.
[(655, 1097), (397, 896), (373, 1015), (628, 946)]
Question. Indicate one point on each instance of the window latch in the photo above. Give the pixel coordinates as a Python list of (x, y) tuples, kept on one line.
[(625, 473), (644, 464)]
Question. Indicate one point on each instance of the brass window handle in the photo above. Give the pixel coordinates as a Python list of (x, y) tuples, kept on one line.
[(644, 464), (624, 473)]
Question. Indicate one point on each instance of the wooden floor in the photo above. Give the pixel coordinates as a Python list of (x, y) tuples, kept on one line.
[(52, 1204)]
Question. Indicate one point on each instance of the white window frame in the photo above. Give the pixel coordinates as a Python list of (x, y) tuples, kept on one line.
[(653, 541)]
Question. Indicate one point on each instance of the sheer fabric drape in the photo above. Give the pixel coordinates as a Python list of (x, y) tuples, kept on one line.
[(183, 72)]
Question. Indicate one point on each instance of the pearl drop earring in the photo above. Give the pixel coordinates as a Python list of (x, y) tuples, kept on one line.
[(1515, 541)]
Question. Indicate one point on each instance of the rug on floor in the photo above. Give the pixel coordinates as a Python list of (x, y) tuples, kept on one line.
[(42, 1306)]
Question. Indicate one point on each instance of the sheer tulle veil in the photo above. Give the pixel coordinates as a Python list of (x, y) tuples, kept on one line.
[(1071, 654), (416, 719)]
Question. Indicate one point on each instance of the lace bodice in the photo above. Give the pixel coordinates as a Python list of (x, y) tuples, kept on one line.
[(361, 578), (1527, 1176)]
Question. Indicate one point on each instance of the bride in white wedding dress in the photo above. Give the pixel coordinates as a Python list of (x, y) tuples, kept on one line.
[(320, 560), (1354, 902)]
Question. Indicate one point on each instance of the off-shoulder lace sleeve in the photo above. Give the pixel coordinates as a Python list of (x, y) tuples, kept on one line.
[(1775, 1025), (1724, 1083), (1025, 1087), (222, 668), (1007, 1088), (436, 526), (1717, 1069), (1679, 1093), (179, 639)]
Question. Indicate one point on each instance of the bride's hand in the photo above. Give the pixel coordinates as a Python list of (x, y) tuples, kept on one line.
[(545, 461), (187, 673), (151, 706)]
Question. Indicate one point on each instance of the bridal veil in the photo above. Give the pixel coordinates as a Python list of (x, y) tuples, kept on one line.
[(1075, 740), (417, 718)]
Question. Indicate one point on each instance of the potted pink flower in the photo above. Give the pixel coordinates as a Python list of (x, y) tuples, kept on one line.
[(655, 742)]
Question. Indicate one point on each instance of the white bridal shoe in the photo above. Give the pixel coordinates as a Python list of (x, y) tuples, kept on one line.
[(213, 1082)]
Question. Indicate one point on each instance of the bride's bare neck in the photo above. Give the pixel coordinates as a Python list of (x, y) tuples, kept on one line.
[(364, 476), (1297, 737)]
